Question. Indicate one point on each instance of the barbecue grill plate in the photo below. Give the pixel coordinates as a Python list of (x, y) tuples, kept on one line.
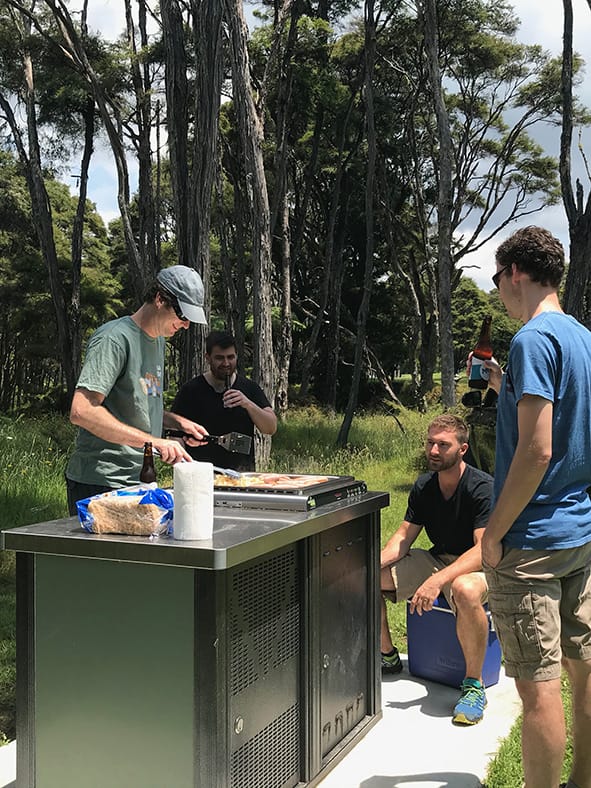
[(271, 483), (315, 491)]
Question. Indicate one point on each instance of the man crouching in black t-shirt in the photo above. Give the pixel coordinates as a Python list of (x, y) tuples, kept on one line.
[(452, 504), (226, 401)]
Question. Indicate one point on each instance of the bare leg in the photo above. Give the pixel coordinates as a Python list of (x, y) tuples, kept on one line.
[(386, 644), (471, 622), (543, 733), (579, 673), (387, 585)]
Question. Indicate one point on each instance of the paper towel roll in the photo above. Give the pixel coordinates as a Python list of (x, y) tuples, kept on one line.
[(193, 500)]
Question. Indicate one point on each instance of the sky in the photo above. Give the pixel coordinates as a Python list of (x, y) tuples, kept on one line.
[(541, 23)]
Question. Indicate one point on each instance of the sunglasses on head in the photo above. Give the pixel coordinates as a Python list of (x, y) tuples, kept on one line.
[(174, 304), (497, 277)]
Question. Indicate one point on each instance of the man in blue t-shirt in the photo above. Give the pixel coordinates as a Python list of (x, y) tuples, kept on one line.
[(452, 504), (537, 545)]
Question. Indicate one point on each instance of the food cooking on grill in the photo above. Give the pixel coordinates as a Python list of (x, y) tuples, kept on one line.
[(276, 481)]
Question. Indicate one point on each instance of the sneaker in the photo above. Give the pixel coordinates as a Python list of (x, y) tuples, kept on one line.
[(470, 708), (391, 662)]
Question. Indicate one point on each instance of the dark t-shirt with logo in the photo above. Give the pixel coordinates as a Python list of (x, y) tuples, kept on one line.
[(200, 402)]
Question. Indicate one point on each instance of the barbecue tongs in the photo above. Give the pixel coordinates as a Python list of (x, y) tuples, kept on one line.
[(232, 441)]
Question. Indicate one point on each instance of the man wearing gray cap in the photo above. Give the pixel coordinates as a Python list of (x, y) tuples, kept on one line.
[(118, 402)]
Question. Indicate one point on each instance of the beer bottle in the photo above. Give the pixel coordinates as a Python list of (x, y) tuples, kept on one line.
[(148, 472), (227, 386), (482, 352)]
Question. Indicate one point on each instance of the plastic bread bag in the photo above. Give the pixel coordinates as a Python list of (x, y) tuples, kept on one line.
[(137, 512)]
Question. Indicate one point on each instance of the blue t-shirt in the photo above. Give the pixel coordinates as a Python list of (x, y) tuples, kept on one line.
[(550, 357)]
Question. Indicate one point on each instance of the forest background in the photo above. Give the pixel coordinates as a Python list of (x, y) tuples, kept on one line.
[(320, 174), (329, 174)]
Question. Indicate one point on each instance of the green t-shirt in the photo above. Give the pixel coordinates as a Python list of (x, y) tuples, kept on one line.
[(126, 365)]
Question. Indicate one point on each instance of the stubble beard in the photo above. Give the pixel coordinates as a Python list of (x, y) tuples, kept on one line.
[(444, 464)]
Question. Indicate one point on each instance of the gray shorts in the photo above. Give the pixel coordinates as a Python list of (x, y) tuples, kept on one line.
[(541, 606), (417, 566)]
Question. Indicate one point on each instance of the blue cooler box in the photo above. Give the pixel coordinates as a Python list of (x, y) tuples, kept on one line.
[(434, 651)]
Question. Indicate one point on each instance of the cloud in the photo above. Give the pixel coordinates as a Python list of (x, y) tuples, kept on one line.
[(480, 265), (107, 17), (542, 23)]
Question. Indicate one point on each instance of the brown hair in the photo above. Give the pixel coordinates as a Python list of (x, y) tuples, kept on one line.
[(449, 423), (536, 252)]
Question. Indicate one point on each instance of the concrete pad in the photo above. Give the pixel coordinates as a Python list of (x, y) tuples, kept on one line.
[(415, 744), (8, 765)]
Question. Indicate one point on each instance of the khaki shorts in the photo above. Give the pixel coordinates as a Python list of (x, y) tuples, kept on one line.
[(417, 566), (541, 606)]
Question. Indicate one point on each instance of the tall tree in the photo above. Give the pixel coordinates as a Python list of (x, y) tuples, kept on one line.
[(110, 109), (360, 345), (28, 146), (31, 367), (577, 291), (444, 174), (252, 138)]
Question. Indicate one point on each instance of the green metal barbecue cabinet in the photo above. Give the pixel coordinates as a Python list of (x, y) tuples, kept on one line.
[(246, 661)]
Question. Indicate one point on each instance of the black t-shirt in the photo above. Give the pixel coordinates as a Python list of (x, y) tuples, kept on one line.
[(200, 402), (450, 524)]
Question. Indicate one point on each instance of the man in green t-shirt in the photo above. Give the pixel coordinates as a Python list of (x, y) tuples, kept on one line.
[(118, 402)]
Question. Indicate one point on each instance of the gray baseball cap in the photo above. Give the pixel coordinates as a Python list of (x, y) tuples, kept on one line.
[(185, 285)]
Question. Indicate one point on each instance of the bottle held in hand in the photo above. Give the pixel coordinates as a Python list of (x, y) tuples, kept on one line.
[(148, 471), (482, 352), (227, 386)]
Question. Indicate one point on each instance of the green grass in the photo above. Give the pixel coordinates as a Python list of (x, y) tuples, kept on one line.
[(386, 457), (32, 490)]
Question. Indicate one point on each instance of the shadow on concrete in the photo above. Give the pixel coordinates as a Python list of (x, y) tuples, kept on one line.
[(442, 779), (438, 700)]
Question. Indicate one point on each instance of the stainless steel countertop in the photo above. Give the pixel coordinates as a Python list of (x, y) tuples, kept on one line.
[(238, 536)]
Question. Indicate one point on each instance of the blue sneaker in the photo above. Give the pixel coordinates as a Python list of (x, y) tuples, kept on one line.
[(470, 707)]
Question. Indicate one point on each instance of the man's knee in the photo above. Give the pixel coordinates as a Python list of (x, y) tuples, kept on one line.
[(538, 694), (468, 590)]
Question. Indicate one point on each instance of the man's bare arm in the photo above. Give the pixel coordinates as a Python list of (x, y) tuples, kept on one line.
[(399, 543), (88, 412)]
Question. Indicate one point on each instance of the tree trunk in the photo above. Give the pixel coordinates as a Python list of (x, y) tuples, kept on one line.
[(281, 60), (77, 236), (41, 207), (74, 48), (333, 333), (175, 79), (578, 279), (335, 198), (251, 135), (444, 206), (285, 339), (370, 48), (207, 18), (141, 80)]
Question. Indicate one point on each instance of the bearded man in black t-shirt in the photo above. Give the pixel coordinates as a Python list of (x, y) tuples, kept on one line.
[(225, 401), (452, 503)]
